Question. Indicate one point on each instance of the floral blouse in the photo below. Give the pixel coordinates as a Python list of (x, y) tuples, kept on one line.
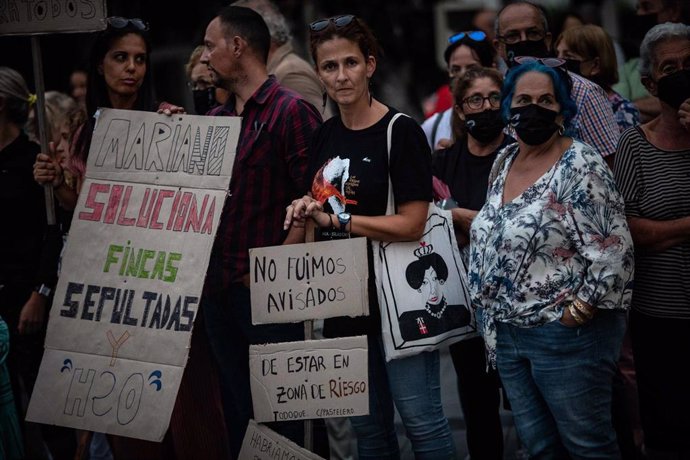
[(564, 236)]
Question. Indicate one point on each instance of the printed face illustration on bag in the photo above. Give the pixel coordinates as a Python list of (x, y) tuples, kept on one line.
[(434, 284), (427, 274)]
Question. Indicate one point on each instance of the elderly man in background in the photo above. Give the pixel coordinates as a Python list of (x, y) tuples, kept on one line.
[(290, 69), (522, 30)]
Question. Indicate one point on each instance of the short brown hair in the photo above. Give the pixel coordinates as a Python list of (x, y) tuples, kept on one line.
[(590, 41), (357, 31)]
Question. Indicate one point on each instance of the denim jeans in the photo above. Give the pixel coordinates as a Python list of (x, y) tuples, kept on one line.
[(558, 380), (230, 332), (413, 384)]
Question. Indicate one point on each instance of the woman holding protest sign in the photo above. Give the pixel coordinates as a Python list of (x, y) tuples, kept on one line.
[(120, 78), (351, 168)]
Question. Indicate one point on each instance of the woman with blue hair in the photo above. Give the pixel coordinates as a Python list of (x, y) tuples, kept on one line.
[(551, 265)]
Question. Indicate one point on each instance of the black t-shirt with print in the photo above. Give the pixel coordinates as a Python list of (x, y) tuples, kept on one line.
[(350, 173)]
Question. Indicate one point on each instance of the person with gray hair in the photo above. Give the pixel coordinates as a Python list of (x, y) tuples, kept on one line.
[(16, 98), (652, 168), (290, 69), (57, 108)]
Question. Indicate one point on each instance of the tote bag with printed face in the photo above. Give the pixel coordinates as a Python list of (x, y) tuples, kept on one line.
[(422, 286), (422, 290)]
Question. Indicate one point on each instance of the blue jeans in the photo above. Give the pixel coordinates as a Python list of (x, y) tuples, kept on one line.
[(558, 380), (414, 385), (230, 331)]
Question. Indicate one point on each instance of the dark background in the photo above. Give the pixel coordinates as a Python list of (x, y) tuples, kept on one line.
[(407, 73)]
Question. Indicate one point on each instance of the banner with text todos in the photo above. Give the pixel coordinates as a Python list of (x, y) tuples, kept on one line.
[(300, 282), (133, 271), (309, 379), (262, 443), (27, 17)]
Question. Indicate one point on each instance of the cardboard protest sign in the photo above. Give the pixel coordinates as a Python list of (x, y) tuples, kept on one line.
[(132, 274), (299, 282), (262, 443), (310, 379), (22, 17), (90, 392), (177, 150)]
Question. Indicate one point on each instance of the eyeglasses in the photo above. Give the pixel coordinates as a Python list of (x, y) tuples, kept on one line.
[(548, 62), (511, 38), (339, 22), (118, 22), (476, 35), (477, 102)]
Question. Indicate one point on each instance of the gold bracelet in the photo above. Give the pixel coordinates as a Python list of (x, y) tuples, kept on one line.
[(583, 308), (576, 316)]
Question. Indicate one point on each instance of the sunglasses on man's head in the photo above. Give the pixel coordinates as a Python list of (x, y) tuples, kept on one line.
[(476, 35), (338, 21), (118, 22), (548, 62)]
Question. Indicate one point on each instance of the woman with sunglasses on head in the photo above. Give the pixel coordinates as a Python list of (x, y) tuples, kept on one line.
[(464, 167), (465, 50), (588, 51), (351, 169), (119, 70), (119, 77), (551, 266)]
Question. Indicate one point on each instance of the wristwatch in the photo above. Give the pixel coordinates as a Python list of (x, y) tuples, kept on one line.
[(344, 219), (44, 290)]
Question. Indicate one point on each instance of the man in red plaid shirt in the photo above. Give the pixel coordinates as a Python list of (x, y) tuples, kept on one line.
[(269, 171)]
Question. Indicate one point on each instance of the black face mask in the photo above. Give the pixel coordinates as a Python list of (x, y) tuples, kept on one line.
[(484, 126), (573, 65), (204, 100), (526, 48), (533, 124), (674, 88)]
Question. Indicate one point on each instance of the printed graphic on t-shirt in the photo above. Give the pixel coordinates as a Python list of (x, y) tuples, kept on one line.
[(332, 184)]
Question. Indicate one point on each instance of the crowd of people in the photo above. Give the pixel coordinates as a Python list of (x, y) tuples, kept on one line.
[(569, 196)]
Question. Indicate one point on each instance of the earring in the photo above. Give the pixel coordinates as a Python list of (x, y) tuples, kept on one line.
[(370, 95), (561, 129), (323, 101)]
